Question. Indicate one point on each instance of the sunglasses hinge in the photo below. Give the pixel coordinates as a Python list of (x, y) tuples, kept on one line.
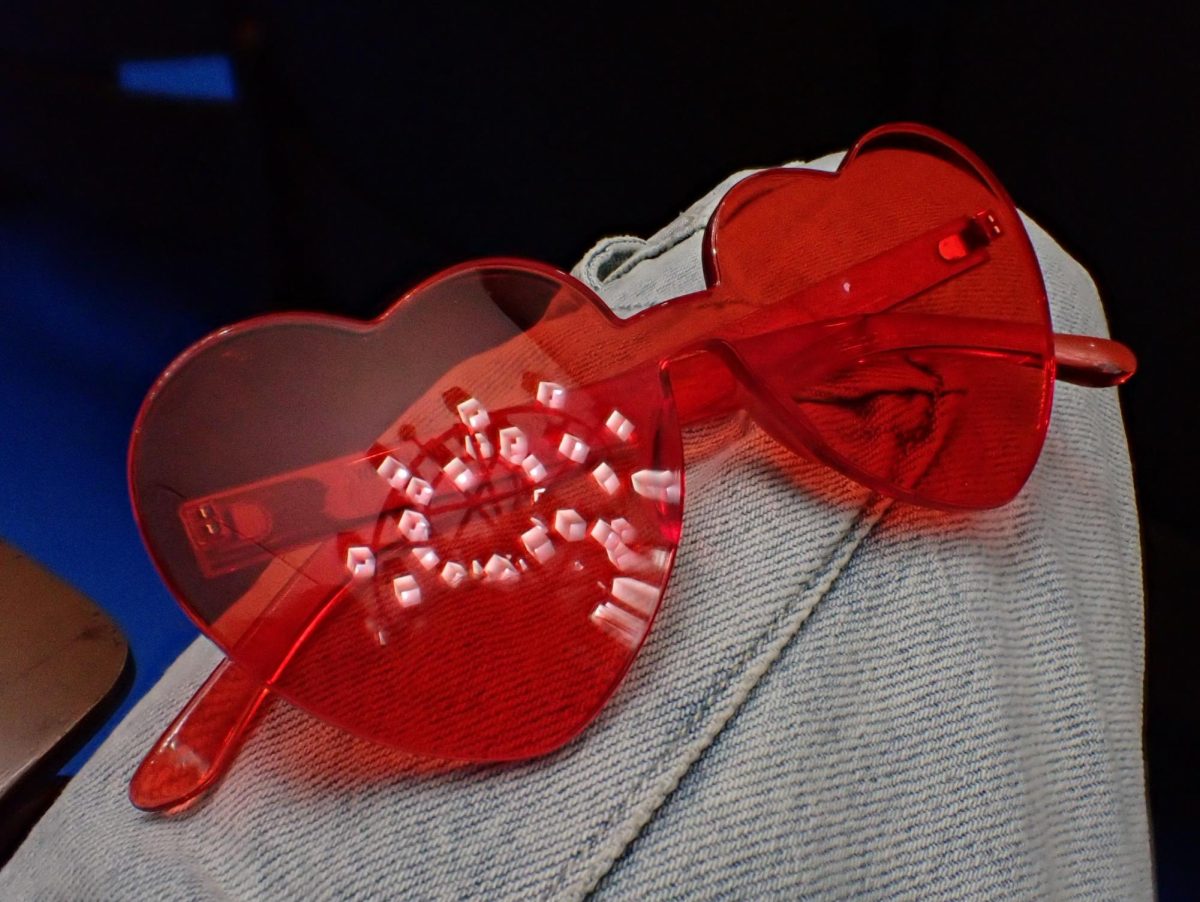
[(980, 230)]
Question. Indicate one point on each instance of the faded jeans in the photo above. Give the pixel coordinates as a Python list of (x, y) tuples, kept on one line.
[(842, 697)]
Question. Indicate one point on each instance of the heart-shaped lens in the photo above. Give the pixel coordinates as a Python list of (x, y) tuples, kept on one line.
[(933, 379), (448, 530)]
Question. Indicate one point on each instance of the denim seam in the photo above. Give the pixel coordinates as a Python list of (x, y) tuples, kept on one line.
[(640, 806), (600, 254), (650, 252)]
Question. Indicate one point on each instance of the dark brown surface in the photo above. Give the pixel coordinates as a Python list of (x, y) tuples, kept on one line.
[(61, 660)]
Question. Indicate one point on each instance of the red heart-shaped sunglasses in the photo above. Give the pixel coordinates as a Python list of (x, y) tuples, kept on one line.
[(449, 529)]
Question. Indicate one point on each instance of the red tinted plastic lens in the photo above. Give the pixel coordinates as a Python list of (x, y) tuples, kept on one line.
[(448, 530), (945, 399)]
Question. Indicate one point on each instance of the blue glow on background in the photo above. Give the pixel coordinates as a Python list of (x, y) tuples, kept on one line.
[(85, 325), (190, 77)]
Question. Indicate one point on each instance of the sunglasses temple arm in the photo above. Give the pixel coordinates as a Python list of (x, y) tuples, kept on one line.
[(1078, 359), (701, 389), (1092, 362), (196, 749)]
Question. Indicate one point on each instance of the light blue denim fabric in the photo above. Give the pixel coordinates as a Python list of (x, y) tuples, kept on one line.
[(841, 697)]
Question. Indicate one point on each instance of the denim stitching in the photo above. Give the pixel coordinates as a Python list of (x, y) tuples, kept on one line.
[(599, 256), (650, 252), (868, 515), (855, 533), (620, 252)]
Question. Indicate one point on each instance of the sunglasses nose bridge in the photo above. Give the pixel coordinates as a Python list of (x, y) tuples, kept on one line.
[(712, 380), (705, 381), (718, 377)]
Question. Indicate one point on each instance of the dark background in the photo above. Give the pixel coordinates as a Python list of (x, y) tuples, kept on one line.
[(362, 151)]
